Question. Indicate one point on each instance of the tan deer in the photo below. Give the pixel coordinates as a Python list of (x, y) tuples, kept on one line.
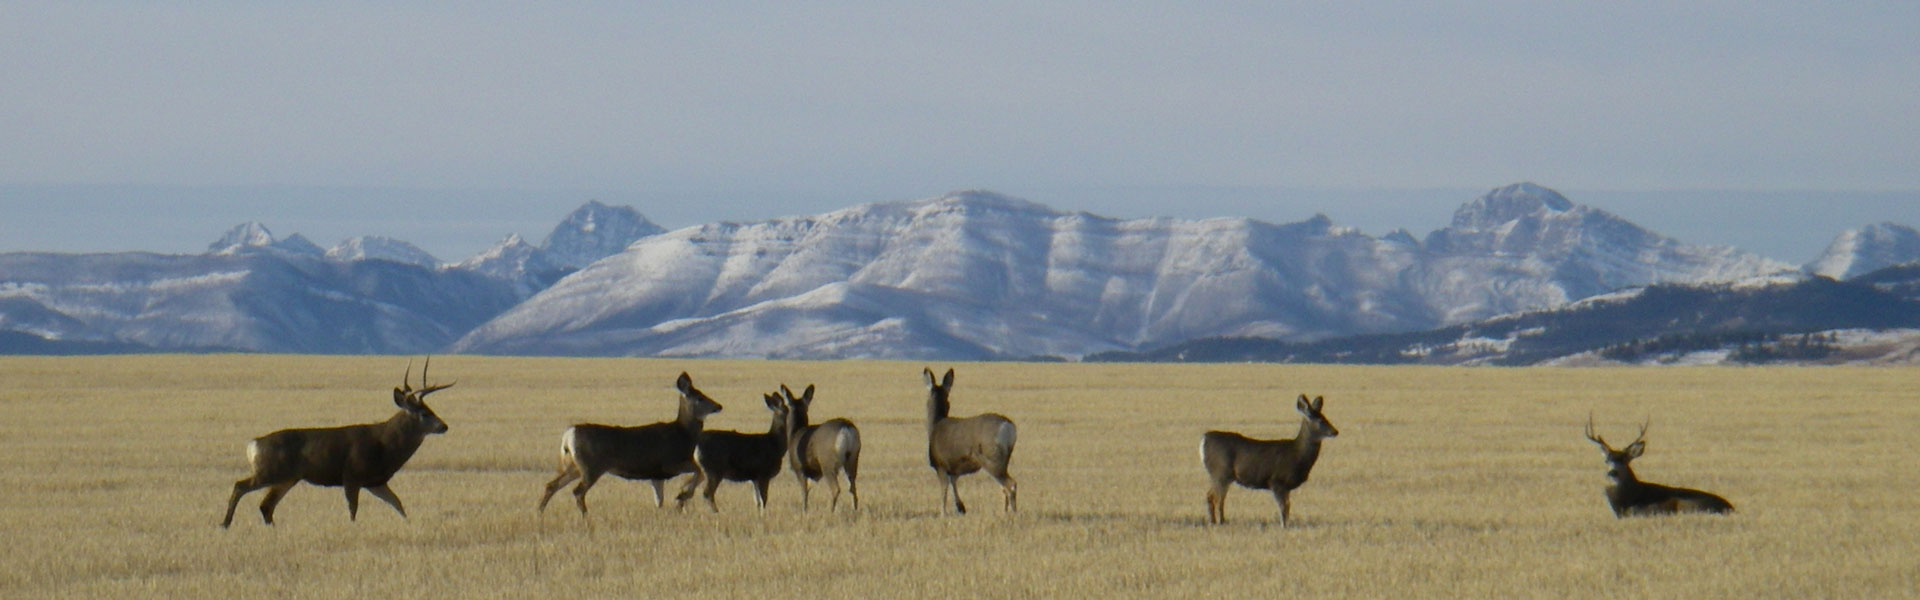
[(353, 457), (656, 452), (959, 446), (1631, 497), (1277, 465), (821, 451)]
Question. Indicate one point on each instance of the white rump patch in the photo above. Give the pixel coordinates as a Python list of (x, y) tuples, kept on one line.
[(566, 444)]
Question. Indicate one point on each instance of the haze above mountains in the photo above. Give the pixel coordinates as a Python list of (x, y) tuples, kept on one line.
[(969, 275)]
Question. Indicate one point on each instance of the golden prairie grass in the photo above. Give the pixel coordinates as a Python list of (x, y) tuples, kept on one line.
[(1444, 482)]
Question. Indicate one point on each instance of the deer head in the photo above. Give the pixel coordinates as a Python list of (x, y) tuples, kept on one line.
[(1617, 459), (1317, 422), (414, 400)]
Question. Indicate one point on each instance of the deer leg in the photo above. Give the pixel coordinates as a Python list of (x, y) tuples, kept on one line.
[(760, 493), (386, 494), (953, 483), (806, 490), (1009, 487), (1286, 504), (580, 492), (713, 483), (240, 488), (1217, 503), (686, 493), (852, 488), (659, 492), (568, 473), (274, 495), (353, 501), (833, 483)]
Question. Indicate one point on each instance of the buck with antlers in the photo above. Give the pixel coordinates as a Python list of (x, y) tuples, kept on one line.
[(656, 452), (1631, 497), (821, 451), (355, 457), (1277, 465), (958, 446)]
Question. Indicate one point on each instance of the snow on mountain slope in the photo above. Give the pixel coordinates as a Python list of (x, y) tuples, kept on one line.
[(1526, 247), (589, 233), (987, 275), (381, 248), (260, 301), (252, 236), (526, 267), (595, 231), (1860, 251)]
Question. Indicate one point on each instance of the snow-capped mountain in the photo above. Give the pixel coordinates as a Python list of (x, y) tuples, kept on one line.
[(373, 247), (595, 231), (252, 236), (528, 268), (1774, 320), (1860, 251), (979, 275), (590, 233), (264, 301), (1531, 248)]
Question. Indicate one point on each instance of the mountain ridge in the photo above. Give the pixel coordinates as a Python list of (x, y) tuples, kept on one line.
[(967, 275)]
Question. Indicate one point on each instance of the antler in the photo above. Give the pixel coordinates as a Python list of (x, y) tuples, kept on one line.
[(405, 385), (1596, 439), (1643, 431), (424, 387)]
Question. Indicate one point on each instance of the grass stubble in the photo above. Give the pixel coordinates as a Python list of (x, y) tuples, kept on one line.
[(1444, 482)]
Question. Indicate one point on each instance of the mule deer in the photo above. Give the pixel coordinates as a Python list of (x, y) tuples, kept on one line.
[(354, 457), (656, 452), (1631, 497), (821, 451), (735, 456), (957, 447), (1277, 465)]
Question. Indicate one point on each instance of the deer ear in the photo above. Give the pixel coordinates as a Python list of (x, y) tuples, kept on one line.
[(775, 403), (1635, 449), (1303, 405), (929, 374), (685, 383), (400, 397), (786, 392), (1319, 401), (807, 396), (946, 383)]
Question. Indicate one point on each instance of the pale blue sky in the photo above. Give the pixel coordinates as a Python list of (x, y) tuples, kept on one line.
[(454, 124)]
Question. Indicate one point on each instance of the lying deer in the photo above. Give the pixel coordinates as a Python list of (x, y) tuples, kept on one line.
[(1631, 497), (1277, 465), (656, 452), (821, 451), (959, 446), (354, 457)]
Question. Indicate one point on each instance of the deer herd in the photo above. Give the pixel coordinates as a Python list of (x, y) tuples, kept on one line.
[(366, 456)]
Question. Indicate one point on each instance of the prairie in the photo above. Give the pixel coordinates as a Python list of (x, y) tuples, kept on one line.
[(1444, 482)]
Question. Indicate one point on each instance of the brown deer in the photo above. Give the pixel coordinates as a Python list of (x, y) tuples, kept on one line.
[(1631, 497), (656, 452), (821, 451), (959, 446), (736, 456), (354, 457), (1277, 465)]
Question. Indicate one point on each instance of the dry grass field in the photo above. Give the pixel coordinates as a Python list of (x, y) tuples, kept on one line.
[(1444, 482)]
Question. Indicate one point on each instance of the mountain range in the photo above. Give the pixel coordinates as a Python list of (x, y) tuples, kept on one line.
[(968, 275)]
